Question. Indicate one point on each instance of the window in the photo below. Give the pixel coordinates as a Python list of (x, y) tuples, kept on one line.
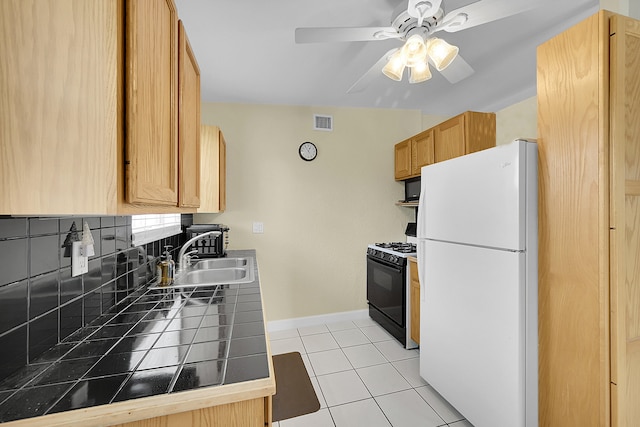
[(148, 228)]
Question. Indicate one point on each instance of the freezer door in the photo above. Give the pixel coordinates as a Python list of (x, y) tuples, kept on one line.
[(480, 198), (473, 347)]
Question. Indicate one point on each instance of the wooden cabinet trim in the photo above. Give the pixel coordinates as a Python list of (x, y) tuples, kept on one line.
[(415, 301), (223, 173)]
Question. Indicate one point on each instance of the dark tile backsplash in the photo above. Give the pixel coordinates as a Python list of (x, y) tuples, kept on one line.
[(40, 303)]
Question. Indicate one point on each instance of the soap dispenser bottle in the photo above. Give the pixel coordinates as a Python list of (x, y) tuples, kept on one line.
[(167, 268), (172, 265)]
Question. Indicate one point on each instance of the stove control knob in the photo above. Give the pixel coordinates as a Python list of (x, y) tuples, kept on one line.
[(393, 259)]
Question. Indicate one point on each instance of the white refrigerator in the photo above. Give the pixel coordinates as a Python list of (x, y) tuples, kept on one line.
[(478, 267)]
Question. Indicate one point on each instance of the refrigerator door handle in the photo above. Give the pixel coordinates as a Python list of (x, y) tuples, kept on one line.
[(420, 255)]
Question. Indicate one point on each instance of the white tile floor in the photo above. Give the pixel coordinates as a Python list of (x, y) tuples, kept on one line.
[(363, 377)]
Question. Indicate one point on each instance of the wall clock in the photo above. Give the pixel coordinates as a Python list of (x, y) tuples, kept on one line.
[(307, 151)]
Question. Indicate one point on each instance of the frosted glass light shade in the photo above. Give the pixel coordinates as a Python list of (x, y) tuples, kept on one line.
[(414, 50), (419, 73), (395, 66), (441, 53)]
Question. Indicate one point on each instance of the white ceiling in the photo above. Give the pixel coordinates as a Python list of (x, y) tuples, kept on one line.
[(247, 54)]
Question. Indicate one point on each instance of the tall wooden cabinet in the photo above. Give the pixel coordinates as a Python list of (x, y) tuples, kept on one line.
[(213, 170), (90, 99), (466, 133), (589, 224)]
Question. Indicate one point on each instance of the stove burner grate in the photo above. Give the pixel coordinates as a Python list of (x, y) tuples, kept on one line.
[(398, 246)]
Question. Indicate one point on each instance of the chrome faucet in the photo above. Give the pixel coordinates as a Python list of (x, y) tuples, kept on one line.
[(183, 261)]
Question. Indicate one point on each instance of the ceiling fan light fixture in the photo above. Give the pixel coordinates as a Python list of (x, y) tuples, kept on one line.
[(419, 73), (395, 66), (414, 50), (441, 53)]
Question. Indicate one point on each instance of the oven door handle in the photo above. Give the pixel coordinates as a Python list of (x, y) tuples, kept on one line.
[(394, 267)]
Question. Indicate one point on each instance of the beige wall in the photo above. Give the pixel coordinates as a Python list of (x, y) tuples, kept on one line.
[(629, 8), (319, 216), (517, 121)]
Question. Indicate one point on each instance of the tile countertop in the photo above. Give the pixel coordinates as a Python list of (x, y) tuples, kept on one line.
[(159, 351)]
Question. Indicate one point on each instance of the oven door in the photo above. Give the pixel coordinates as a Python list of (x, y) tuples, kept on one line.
[(386, 289)]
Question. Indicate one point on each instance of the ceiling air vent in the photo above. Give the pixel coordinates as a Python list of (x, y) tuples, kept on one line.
[(322, 122)]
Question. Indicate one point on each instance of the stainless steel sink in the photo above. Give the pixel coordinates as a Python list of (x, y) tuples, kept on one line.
[(219, 271), (221, 263)]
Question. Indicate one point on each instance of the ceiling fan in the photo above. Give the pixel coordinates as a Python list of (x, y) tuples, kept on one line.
[(415, 24)]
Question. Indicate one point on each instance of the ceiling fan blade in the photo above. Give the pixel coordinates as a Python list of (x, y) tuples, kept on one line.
[(484, 11), (458, 70), (344, 34), (372, 73)]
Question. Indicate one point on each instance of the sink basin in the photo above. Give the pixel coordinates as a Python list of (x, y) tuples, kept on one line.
[(218, 271), (217, 275), (220, 263)]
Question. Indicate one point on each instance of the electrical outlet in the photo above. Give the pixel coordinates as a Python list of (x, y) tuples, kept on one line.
[(258, 228), (79, 262)]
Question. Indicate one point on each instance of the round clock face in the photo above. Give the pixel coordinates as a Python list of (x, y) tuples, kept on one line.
[(308, 151)]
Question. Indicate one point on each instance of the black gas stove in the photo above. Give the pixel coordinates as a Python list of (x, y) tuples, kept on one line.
[(387, 290)]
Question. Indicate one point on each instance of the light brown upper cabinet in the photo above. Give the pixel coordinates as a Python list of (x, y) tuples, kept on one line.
[(151, 84), (189, 123), (403, 159), (464, 134), (213, 170), (589, 224), (469, 132), (70, 91), (413, 153), (421, 151), (60, 116)]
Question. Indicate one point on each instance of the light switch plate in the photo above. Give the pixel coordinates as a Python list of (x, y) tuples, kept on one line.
[(258, 227), (79, 262)]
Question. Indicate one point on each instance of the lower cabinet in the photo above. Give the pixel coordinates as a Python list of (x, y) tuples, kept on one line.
[(414, 293), (213, 169), (247, 413)]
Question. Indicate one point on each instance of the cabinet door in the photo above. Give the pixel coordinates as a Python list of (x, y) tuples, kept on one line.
[(415, 301), (213, 170), (449, 139), (421, 151), (60, 120), (152, 99), (403, 160), (625, 221), (479, 131), (188, 123)]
